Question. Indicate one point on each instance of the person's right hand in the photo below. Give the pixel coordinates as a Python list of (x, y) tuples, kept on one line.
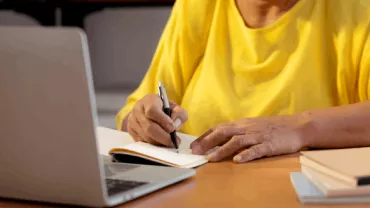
[(148, 123)]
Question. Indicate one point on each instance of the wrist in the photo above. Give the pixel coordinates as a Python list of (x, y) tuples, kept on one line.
[(306, 129)]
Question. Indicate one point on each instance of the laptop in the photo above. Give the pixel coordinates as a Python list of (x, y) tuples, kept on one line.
[(48, 121)]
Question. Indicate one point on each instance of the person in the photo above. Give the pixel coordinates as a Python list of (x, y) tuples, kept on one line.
[(258, 78)]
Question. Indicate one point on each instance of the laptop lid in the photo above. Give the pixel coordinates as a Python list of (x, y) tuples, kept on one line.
[(48, 149)]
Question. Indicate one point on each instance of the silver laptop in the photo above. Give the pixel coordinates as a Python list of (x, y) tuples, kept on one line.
[(48, 118)]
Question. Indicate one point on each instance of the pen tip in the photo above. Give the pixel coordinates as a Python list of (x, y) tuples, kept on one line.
[(160, 84)]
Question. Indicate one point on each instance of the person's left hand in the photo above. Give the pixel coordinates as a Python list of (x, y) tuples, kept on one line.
[(253, 138)]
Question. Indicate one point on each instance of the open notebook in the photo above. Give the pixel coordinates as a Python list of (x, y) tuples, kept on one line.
[(144, 153)]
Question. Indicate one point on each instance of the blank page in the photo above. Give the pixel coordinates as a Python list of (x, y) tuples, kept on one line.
[(110, 138)]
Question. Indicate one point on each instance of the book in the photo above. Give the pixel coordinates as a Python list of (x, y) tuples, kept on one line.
[(332, 187), (348, 165), (144, 153), (307, 193)]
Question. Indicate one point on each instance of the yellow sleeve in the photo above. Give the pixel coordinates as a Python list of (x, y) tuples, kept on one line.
[(176, 58), (364, 65), (364, 76)]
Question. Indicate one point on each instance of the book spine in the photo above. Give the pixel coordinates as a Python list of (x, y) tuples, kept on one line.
[(363, 181)]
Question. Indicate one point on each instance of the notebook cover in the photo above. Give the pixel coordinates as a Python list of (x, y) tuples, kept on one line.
[(124, 158), (328, 171), (353, 162), (127, 156)]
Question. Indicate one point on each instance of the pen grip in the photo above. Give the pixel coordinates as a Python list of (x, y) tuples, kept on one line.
[(168, 112), (174, 139)]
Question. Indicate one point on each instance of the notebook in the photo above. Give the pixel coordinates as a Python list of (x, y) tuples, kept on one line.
[(309, 194), (332, 187), (144, 153), (348, 165)]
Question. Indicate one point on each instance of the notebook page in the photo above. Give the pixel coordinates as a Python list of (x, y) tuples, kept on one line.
[(186, 140), (110, 138), (183, 158)]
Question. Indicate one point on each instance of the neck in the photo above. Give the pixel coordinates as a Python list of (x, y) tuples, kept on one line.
[(259, 13)]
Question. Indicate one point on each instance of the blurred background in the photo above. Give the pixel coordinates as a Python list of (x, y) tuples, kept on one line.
[(122, 34)]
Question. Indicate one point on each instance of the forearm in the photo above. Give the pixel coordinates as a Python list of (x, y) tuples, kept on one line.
[(338, 127)]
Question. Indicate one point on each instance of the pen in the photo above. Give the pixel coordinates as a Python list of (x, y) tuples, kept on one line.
[(167, 111)]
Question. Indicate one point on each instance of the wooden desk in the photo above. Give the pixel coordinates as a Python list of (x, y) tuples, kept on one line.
[(262, 183)]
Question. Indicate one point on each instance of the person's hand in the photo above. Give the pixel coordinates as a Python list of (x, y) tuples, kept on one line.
[(148, 123), (252, 138)]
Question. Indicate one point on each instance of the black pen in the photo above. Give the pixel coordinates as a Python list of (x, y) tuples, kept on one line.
[(167, 110)]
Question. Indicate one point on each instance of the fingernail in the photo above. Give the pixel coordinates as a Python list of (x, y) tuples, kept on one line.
[(178, 141), (238, 159), (177, 123), (211, 156)]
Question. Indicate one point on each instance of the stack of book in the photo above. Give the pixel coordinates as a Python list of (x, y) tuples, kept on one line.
[(337, 176)]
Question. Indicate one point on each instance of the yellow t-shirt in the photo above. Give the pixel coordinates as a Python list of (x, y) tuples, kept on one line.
[(316, 55)]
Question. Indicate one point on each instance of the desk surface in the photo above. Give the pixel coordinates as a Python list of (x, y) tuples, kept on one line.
[(262, 183)]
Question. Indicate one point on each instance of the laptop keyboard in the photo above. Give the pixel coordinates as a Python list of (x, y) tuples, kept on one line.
[(116, 186)]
